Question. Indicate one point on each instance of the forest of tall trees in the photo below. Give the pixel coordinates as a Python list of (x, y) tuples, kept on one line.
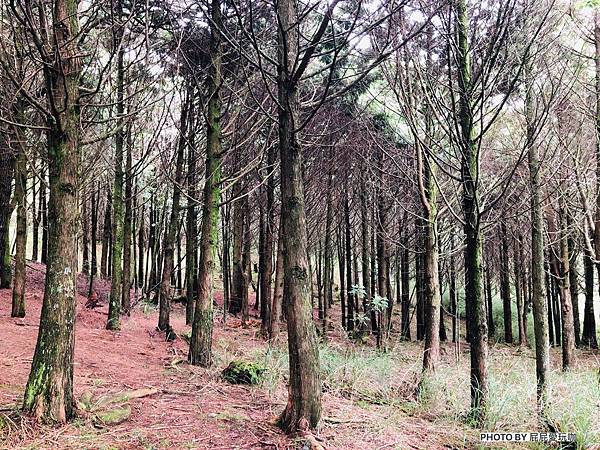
[(383, 213)]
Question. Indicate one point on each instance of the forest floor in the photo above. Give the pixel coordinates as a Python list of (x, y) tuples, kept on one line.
[(136, 391)]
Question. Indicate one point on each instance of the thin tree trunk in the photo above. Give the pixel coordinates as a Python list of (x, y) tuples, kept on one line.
[(476, 316), (94, 264), (453, 296), (127, 228), (191, 243), (85, 234), (278, 291), (348, 259), (18, 294), (538, 294), (7, 174), (588, 338), (116, 287), (505, 284), (518, 252), (106, 235), (405, 310), (568, 328), (164, 314), (35, 190), (267, 272), (574, 284), (44, 217)]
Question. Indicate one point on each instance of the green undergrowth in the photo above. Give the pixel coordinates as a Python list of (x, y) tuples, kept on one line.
[(371, 379)]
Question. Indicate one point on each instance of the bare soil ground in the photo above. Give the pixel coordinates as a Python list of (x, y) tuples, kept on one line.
[(189, 407)]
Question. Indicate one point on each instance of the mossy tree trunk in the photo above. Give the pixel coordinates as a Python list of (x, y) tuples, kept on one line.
[(114, 305), (588, 338), (164, 314), (127, 227), (476, 311), (49, 390), (304, 398), (106, 235), (538, 291), (574, 282), (201, 340), (18, 294), (505, 285), (266, 275), (432, 297), (7, 173), (566, 307), (191, 242), (274, 321)]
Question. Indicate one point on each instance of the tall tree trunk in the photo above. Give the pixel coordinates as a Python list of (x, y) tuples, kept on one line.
[(116, 287), (304, 400), (574, 283), (490, 303), (518, 270), (452, 292), (106, 235), (278, 291), (141, 245), (568, 328), (348, 259), (94, 238), (342, 269), (432, 298), (127, 227), (49, 390), (226, 260), (246, 267), (7, 173), (549, 295), (202, 327), (419, 278), (588, 338), (266, 290), (382, 257), (538, 294), (405, 310), (476, 315), (597, 123), (505, 285), (191, 243), (18, 294), (328, 263), (43, 210), (35, 191), (85, 234), (238, 277), (164, 314)]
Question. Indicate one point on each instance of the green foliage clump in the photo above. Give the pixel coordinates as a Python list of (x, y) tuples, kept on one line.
[(243, 372)]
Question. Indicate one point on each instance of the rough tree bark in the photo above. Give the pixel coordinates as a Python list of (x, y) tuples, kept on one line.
[(304, 400), (127, 227), (116, 286), (49, 390), (476, 315), (538, 294), (202, 327), (505, 285), (164, 314), (18, 294)]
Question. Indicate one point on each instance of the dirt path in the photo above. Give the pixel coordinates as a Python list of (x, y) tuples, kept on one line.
[(192, 407)]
